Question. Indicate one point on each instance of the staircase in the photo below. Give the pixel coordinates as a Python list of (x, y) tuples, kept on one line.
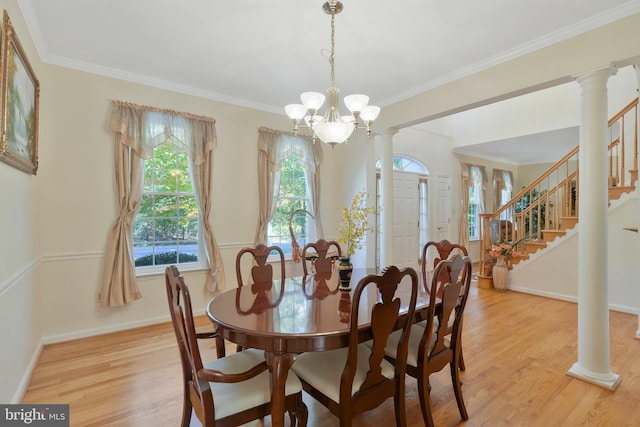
[(543, 211)]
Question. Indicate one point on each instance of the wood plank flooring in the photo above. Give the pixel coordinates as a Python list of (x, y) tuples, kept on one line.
[(517, 348)]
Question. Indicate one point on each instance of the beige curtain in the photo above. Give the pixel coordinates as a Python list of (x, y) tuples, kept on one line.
[(502, 181), (273, 148), (138, 130), (467, 183), (119, 276), (202, 174)]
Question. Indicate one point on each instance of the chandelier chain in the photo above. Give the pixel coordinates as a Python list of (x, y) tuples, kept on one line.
[(332, 56)]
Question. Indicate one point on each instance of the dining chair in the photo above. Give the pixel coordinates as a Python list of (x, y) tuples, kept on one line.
[(322, 260), (357, 378), (444, 249), (228, 391), (433, 348), (261, 272)]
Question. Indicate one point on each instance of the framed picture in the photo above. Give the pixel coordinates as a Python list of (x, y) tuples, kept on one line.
[(19, 97)]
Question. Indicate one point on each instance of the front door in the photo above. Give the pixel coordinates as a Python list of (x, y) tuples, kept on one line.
[(405, 219)]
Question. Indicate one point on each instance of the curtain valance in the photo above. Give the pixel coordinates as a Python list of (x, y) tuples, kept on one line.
[(142, 128)]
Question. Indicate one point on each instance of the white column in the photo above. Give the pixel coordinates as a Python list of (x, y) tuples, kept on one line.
[(386, 181), (593, 363), (637, 67)]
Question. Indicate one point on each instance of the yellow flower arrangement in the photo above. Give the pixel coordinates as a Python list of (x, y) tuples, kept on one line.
[(355, 223)]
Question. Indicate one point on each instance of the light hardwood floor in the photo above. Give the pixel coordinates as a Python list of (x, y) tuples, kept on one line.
[(517, 350)]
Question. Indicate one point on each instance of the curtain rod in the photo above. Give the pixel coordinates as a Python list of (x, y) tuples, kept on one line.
[(163, 110)]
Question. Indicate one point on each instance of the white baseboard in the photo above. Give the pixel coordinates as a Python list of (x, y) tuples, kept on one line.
[(26, 378)]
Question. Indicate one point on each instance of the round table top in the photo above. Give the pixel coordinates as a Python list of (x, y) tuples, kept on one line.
[(312, 314)]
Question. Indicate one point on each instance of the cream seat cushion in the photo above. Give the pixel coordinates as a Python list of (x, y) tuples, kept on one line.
[(413, 346), (323, 370), (236, 397)]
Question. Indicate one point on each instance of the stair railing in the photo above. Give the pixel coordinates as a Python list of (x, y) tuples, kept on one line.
[(550, 203)]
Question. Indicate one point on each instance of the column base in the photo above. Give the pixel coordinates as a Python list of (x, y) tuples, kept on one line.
[(609, 381)]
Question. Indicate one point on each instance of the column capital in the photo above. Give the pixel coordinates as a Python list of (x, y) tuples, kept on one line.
[(601, 72), (389, 132)]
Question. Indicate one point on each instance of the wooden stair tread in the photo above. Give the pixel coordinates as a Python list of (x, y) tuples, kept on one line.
[(551, 235), (617, 191), (568, 222)]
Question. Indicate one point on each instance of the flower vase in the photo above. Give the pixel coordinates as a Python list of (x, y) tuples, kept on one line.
[(501, 274), (345, 268)]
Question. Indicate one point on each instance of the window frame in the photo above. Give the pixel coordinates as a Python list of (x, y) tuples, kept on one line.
[(202, 262), (301, 209)]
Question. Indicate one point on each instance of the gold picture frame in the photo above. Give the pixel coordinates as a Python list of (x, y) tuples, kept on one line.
[(19, 95)]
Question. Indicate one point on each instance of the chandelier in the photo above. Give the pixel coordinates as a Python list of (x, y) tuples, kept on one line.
[(331, 127)]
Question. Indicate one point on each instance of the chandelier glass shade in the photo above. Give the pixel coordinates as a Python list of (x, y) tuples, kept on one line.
[(331, 127)]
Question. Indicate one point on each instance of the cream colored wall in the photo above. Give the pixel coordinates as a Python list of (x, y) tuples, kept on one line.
[(20, 266), (78, 187)]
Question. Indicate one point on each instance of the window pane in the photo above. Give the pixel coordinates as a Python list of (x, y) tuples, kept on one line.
[(165, 180), (165, 206), (166, 229), (182, 174), (292, 197)]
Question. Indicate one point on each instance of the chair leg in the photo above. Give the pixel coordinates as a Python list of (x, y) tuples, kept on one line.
[(299, 415), (187, 409), (220, 350), (399, 403), (461, 359), (423, 393), (457, 390)]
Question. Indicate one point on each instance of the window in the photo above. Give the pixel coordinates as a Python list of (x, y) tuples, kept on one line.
[(167, 226), (291, 187), (291, 198), (476, 204)]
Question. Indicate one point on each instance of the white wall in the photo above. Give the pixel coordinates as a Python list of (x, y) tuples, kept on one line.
[(554, 271)]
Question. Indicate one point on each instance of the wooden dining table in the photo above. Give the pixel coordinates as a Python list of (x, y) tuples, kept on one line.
[(311, 314)]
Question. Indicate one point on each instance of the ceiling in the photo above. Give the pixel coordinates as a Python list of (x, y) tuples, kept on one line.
[(263, 54), (542, 147)]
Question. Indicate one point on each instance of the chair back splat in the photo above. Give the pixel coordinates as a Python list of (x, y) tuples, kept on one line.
[(322, 259), (356, 379), (228, 391), (261, 272)]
